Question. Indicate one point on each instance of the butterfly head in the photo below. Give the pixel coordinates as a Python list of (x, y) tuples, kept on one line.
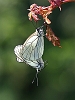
[(40, 30), (40, 64)]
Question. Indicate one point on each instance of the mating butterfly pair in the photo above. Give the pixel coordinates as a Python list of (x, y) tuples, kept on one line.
[(32, 50)]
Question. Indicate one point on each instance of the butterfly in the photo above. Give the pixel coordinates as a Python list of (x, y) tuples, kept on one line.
[(33, 47), (32, 50)]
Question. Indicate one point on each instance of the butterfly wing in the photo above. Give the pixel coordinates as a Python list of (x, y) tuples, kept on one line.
[(31, 51), (33, 47), (18, 51)]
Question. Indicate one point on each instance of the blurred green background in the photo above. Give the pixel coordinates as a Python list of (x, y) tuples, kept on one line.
[(57, 79)]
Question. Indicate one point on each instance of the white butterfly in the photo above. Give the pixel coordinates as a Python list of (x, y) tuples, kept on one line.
[(33, 47), (32, 50)]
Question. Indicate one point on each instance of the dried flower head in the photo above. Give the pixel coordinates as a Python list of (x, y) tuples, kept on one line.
[(45, 11), (39, 10)]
